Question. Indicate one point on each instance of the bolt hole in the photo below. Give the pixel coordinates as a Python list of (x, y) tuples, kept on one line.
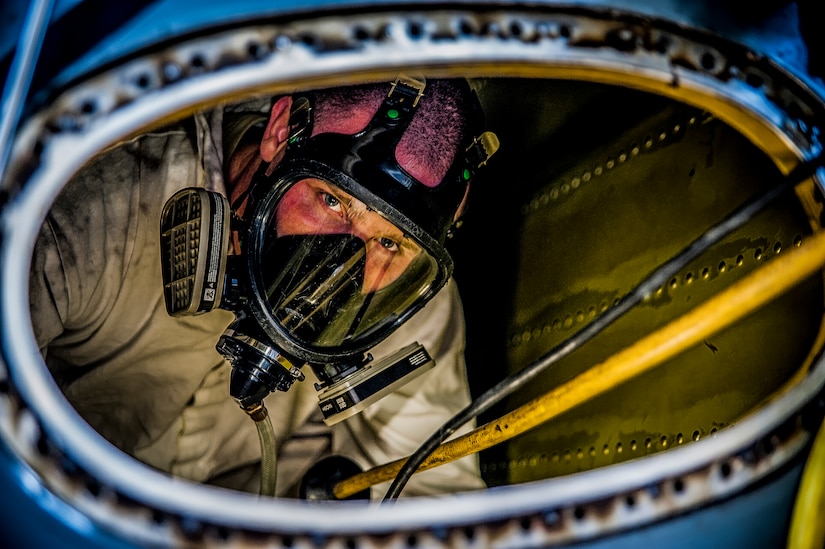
[(708, 61), (678, 486), (361, 34), (158, 516), (579, 513), (223, 534), (43, 447), (255, 50), (308, 40), (416, 29), (754, 80), (88, 107), (662, 45), (93, 487), (725, 470)]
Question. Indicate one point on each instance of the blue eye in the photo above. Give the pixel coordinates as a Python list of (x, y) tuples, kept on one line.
[(388, 243), (331, 202)]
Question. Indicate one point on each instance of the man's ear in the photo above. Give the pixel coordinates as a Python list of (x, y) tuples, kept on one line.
[(276, 134)]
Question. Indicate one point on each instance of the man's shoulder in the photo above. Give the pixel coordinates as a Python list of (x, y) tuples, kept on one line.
[(161, 141)]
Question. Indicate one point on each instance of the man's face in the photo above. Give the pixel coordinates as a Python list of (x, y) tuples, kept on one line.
[(313, 206)]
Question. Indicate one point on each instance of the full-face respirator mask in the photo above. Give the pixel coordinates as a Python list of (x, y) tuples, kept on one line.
[(340, 246)]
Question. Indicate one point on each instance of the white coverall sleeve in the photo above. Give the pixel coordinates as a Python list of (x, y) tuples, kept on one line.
[(395, 426)]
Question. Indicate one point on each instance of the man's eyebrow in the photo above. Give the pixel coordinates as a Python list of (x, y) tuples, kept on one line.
[(409, 243)]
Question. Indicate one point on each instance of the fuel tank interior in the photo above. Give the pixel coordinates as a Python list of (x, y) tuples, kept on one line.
[(595, 187)]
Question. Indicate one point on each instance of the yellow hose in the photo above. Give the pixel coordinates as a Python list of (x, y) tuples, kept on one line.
[(723, 309), (808, 523)]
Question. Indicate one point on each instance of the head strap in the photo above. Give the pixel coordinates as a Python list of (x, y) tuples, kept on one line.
[(368, 157)]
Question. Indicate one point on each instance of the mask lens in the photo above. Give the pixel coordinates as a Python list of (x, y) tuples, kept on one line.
[(333, 271)]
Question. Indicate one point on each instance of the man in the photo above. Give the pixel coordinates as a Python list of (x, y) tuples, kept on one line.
[(154, 385)]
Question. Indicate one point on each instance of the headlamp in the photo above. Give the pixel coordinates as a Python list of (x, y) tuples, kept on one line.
[(340, 246)]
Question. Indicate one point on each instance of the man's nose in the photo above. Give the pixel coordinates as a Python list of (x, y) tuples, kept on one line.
[(366, 225)]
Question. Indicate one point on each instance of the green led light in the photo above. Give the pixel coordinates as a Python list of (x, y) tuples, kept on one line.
[(392, 113), (466, 174)]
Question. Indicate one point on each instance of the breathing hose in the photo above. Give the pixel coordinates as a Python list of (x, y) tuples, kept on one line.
[(266, 436), (723, 309)]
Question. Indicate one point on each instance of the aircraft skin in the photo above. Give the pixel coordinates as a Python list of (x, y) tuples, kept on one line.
[(85, 37)]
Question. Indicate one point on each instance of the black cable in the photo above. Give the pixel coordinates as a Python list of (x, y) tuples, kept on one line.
[(657, 278)]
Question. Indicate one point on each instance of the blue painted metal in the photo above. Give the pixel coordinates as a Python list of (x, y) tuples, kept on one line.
[(759, 517), (30, 516)]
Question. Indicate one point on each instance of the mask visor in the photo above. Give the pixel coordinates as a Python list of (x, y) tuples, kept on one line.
[(332, 272)]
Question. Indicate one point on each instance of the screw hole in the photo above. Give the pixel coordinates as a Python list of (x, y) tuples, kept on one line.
[(708, 61), (725, 470)]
